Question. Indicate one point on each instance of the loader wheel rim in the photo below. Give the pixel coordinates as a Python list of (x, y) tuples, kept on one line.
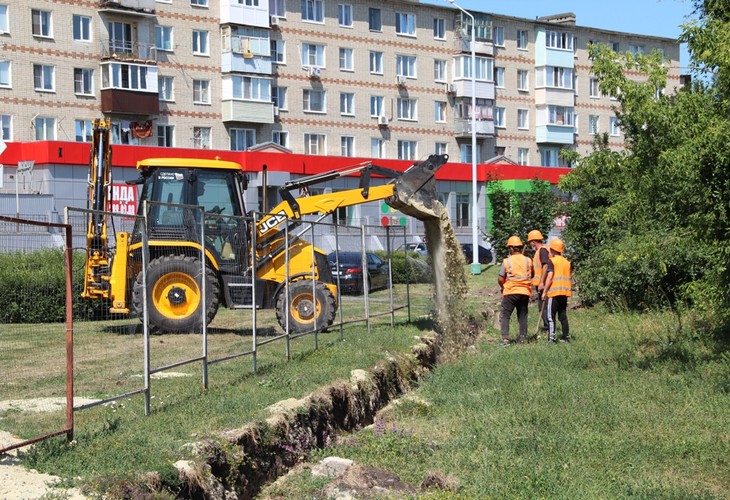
[(304, 308), (176, 295)]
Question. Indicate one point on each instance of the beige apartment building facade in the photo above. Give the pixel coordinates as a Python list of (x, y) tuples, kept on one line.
[(353, 78)]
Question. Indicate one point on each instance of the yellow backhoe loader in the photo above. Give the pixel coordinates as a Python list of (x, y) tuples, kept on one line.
[(174, 189)]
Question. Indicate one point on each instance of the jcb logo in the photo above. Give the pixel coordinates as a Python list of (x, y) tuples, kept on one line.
[(267, 225)]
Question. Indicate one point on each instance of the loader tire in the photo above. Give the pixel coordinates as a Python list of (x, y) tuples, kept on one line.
[(174, 291), (303, 311)]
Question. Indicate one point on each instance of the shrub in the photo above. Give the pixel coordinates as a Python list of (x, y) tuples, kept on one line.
[(410, 267)]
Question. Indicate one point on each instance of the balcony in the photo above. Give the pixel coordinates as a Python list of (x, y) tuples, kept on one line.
[(554, 96), (484, 128), (129, 89), (481, 47), (555, 134), (234, 12), (484, 90), (140, 7), (128, 51), (235, 110)]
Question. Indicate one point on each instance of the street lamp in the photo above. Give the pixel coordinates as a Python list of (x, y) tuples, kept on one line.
[(475, 267)]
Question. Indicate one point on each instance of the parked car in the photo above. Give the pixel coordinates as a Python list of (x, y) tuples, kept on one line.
[(419, 248), (484, 254), (351, 275)]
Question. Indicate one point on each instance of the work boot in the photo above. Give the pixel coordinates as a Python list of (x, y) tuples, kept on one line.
[(504, 343)]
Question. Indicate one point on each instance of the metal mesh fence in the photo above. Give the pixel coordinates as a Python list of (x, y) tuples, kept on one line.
[(34, 287)]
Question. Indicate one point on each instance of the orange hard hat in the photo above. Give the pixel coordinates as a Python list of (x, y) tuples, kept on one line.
[(534, 235), (557, 245), (514, 241)]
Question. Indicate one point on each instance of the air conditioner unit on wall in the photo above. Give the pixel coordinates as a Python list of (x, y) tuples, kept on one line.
[(383, 121), (276, 110), (275, 20), (314, 72), (450, 88), (400, 80)]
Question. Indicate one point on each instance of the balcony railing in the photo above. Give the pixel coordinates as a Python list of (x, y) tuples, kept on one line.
[(128, 51), (483, 127), (146, 6)]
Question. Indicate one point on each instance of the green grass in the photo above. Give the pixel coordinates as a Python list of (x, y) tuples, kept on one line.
[(631, 409)]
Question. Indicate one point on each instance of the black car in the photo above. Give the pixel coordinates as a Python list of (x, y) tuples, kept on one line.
[(351, 275), (484, 256)]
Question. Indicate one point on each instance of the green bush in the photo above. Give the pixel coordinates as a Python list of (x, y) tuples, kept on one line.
[(411, 267)]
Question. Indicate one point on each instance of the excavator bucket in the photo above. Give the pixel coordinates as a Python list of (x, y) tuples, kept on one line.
[(415, 190)]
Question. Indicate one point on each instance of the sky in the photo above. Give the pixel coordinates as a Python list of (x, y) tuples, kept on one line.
[(645, 17)]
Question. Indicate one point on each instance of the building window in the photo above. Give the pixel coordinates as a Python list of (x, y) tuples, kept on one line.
[(405, 66), (593, 89), (83, 81), (124, 76), (405, 24), (312, 55), (201, 91), (560, 115), (499, 77), (593, 124), (45, 128), (43, 77), (484, 65), (499, 118), (42, 26), (376, 62), (374, 22), (313, 11), (314, 144), (81, 28), (347, 103), (523, 80), (615, 46), (163, 37), (249, 88), (344, 15), (498, 36), (278, 52), (376, 105), (5, 79), (242, 138), (559, 40), (549, 157), (315, 101), (280, 137), (377, 148), (6, 133), (83, 130), (4, 23), (201, 137), (483, 109), (556, 77), (120, 38), (166, 136), (278, 8), (347, 145), (407, 150), (523, 121), (613, 126), (523, 156), (200, 43), (441, 148), (165, 88), (463, 208), (439, 111), (346, 59), (523, 37), (407, 109), (199, 3), (636, 50), (465, 153), (439, 28), (439, 70), (278, 97)]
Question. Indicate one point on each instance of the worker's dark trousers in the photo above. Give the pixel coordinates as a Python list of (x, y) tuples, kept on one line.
[(542, 311), (558, 306), (509, 304)]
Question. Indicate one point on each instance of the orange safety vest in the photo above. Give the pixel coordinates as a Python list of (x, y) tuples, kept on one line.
[(517, 275), (537, 267), (561, 277)]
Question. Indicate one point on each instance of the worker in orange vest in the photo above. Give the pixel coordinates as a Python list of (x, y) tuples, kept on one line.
[(514, 279), (539, 270), (557, 290)]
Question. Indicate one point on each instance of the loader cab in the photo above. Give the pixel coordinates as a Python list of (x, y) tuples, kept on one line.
[(172, 194)]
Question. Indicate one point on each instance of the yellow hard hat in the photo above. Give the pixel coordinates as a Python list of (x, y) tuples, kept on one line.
[(557, 245), (534, 235), (514, 241)]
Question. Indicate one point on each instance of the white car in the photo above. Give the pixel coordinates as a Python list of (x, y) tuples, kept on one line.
[(419, 248)]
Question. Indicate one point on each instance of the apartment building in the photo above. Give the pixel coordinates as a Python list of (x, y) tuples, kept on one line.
[(327, 77)]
